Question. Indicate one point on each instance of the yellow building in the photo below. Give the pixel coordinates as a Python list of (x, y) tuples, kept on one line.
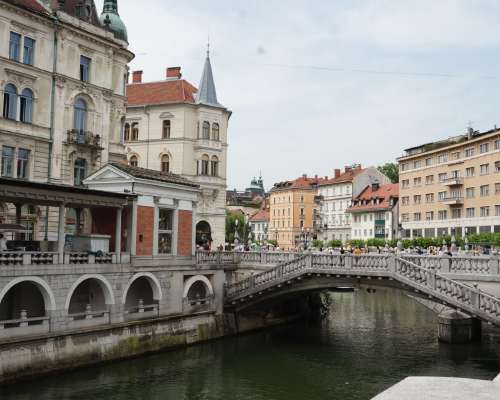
[(292, 208), (451, 186)]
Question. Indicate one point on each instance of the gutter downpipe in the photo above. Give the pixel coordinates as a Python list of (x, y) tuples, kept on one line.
[(55, 22)]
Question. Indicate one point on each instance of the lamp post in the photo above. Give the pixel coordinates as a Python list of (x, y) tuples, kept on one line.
[(236, 236), (466, 239)]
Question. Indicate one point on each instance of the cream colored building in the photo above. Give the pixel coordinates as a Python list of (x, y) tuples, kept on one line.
[(172, 126), (62, 82), (451, 186)]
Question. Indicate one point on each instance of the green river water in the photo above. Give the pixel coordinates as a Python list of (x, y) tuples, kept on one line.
[(368, 343)]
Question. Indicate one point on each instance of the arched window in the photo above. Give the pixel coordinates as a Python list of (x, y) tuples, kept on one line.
[(215, 132), (10, 102), (166, 129), (80, 171), (134, 162), (165, 163), (80, 123), (27, 106), (135, 132), (127, 132), (206, 130), (205, 165), (214, 166)]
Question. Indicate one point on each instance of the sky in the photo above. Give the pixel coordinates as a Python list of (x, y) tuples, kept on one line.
[(317, 86)]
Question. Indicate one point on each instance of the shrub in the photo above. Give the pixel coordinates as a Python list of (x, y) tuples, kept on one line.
[(335, 243)]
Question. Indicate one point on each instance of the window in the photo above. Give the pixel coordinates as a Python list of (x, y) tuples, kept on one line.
[(417, 181), (417, 164), (429, 216), (29, 51), (417, 217), (497, 188), (442, 215), (497, 211), (484, 148), (485, 169), (10, 102), (443, 195), (456, 213), (134, 161), (470, 172), (470, 152), (85, 68), (442, 177), (470, 212), (215, 132), (165, 231), (497, 144), (15, 46), (485, 190), (405, 200), (127, 132), (26, 106), (455, 155), (429, 198), (80, 171), (405, 218), (206, 130), (429, 180), (485, 212), (497, 166), (214, 168), (442, 158), (455, 174), (428, 162), (165, 163), (135, 132), (405, 183), (417, 199), (470, 193), (166, 129), (23, 157), (80, 123), (205, 165), (404, 167), (8, 161)]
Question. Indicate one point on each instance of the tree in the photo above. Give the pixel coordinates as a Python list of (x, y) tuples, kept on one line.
[(243, 228), (391, 170)]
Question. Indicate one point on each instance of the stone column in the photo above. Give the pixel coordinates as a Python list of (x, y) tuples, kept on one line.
[(19, 209), (61, 237), (456, 327), (118, 235), (133, 229)]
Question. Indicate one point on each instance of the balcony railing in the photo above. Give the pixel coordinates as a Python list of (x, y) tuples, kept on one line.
[(455, 181), (47, 258), (84, 138), (208, 144), (452, 201)]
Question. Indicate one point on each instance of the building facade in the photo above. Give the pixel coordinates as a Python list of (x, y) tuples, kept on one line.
[(451, 187), (374, 213), (292, 210), (336, 196), (172, 126), (259, 223), (62, 75)]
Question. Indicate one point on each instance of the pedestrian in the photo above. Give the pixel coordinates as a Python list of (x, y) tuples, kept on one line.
[(3, 242)]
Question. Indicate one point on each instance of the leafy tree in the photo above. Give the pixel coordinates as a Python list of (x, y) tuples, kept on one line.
[(391, 170), (243, 229), (335, 243)]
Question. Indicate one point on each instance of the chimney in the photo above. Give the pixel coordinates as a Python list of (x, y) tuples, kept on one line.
[(336, 173), (375, 186), (304, 176), (137, 77), (174, 72)]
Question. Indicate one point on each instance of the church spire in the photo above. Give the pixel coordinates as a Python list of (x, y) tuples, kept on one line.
[(207, 93)]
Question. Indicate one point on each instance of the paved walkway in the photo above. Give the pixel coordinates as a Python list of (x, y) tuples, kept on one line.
[(431, 388)]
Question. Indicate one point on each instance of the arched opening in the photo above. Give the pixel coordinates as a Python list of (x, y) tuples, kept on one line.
[(203, 234), (198, 293), (134, 161), (214, 166), (205, 165), (79, 171), (135, 132), (127, 132), (142, 295), (215, 132), (10, 102), (165, 163), (166, 129), (80, 122), (26, 106), (90, 297), (206, 130)]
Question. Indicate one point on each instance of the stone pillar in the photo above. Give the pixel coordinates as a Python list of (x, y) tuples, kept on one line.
[(118, 235), (19, 209), (61, 237), (456, 327), (133, 229)]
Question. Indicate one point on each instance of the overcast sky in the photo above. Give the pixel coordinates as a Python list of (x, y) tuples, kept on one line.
[(315, 86)]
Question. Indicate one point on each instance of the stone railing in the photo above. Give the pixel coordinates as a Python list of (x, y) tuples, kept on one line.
[(232, 257), (427, 280), (47, 258), (458, 264), (198, 305)]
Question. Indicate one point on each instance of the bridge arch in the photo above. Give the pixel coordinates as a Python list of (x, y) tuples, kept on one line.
[(144, 286), (92, 289), (30, 294), (198, 287)]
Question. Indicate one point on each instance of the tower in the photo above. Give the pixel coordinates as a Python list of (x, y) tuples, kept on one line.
[(111, 20)]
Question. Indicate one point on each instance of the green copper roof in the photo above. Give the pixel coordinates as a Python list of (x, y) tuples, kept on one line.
[(111, 20)]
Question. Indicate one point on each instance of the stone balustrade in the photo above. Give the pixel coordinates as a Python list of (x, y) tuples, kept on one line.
[(47, 258)]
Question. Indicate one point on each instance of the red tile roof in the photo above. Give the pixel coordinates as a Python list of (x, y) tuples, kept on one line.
[(300, 183), (169, 91), (385, 193), (262, 215), (31, 5), (347, 176)]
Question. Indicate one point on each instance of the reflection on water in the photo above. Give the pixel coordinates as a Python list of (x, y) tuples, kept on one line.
[(369, 342)]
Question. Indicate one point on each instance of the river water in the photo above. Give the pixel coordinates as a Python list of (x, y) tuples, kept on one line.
[(368, 343)]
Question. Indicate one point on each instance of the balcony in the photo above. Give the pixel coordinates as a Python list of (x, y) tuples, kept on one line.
[(452, 201), (84, 139), (457, 181), (208, 144)]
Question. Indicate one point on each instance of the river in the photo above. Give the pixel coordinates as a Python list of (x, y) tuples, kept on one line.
[(368, 343)]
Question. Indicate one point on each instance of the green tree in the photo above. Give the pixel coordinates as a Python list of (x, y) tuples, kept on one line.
[(243, 229), (391, 170)]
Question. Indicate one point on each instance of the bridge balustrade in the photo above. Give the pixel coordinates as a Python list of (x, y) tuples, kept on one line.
[(48, 258)]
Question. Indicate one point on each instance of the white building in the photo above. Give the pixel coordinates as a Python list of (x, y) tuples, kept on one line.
[(63, 71), (375, 213), (259, 224), (172, 126), (336, 196)]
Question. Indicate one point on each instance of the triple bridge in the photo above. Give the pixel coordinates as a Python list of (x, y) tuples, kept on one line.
[(441, 280)]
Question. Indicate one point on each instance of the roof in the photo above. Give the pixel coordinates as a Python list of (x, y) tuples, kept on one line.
[(207, 93), (143, 173), (347, 176), (70, 7), (385, 193), (303, 182), (262, 215), (31, 5), (164, 92)]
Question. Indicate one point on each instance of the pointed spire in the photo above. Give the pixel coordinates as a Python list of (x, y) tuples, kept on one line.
[(206, 91)]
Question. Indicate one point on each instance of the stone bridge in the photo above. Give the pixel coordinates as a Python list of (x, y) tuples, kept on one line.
[(437, 279)]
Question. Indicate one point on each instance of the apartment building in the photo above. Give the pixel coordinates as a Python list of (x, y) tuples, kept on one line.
[(292, 208), (375, 212), (451, 186), (336, 194)]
